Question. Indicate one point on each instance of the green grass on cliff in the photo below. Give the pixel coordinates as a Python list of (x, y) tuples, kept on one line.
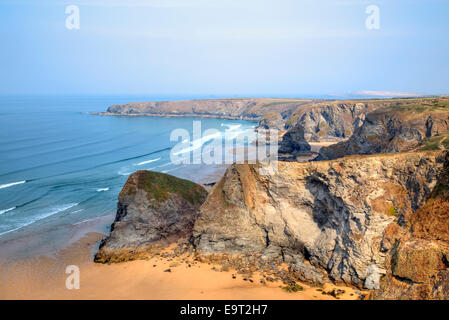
[(431, 144), (424, 106), (271, 116), (159, 186), (281, 102)]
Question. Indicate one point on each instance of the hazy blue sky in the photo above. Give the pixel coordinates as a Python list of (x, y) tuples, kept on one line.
[(238, 47)]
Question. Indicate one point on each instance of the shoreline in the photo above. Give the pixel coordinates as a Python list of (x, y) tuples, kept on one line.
[(173, 115), (47, 242), (44, 277)]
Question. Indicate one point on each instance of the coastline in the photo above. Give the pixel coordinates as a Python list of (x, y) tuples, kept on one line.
[(172, 115), (34, 267)]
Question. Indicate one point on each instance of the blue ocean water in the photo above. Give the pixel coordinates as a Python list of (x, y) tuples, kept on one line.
[(61, 165)]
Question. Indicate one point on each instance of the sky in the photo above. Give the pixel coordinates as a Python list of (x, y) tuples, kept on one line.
[(227, 47)]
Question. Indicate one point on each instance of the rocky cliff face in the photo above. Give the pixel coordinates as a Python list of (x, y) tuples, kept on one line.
[(337, 120), (272, 120), (331, 213), (152, 207), (418, 253), (331, 121), (393, 129), (247, 109)]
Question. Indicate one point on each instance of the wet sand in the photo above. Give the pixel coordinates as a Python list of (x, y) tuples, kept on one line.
[(45, 277)]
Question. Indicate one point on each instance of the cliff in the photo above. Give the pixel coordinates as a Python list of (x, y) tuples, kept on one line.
[(245, 109), (418, 253), (331, 214), (336, 120), (395, 129), (152, 207)]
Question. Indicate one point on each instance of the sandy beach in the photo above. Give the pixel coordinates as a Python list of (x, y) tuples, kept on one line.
[(44, 277)]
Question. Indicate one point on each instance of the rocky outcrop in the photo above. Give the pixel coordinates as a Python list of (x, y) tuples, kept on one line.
[(331, 213), (418, 253), (152, 207), (272, 120), (245, 109), (337, 120), (293, 144), (390, 130), (331, 121)]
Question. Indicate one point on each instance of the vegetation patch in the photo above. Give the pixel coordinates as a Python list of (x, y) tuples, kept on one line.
[(392, 211), (159, 186), (293, 287), (431, 144), (424, 105), (271, 116), (281, 102)]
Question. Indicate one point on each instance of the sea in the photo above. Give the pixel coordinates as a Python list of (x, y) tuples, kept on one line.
[(62, 165)]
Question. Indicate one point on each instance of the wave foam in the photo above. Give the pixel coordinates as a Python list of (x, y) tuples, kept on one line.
[(148, 161), (102, 189), (7, 210), (7, 185), (53, 211)]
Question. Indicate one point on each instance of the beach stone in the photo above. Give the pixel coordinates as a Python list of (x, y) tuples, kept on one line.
[(307, 272)]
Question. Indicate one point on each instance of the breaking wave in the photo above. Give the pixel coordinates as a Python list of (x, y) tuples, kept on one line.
[(7, 185), (7, 210), (148, 161)]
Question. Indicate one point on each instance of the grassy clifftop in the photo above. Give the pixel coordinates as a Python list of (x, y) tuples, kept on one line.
[(160, 186)]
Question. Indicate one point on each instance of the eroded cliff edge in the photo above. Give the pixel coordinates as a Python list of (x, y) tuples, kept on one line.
[(329, 214)]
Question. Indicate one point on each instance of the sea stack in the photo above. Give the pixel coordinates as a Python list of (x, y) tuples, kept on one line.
[(153, 207)]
